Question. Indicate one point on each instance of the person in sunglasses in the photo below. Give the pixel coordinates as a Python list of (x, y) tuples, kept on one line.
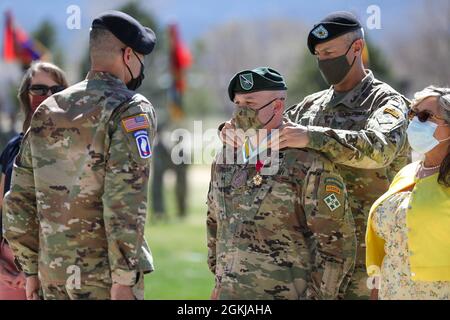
[(408, 238), (40, 81)]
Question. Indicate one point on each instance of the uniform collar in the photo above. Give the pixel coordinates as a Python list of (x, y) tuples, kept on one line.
[(352, 98), (112, 80)]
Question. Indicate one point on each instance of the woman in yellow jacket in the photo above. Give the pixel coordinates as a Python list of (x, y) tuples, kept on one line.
[(408, 232)]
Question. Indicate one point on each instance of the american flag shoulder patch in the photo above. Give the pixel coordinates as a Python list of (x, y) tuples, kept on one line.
[(136, 122)]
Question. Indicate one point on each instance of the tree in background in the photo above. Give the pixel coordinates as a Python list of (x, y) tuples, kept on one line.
[(46, 35), (421, 57), (231, 47)]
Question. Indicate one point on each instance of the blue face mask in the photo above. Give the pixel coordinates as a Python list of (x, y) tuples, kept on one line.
[(421, 136)]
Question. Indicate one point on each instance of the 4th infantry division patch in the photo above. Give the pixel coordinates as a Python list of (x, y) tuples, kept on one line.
[(332, 202)]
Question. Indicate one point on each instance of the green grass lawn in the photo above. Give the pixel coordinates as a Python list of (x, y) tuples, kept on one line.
[(179, 246)]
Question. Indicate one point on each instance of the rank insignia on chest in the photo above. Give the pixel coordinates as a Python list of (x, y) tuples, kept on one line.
[(392, 112), (332, 202), (143, 144), (136, 122)]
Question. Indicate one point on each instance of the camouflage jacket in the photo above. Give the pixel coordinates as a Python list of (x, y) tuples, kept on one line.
[(78, 198), (364, 134), (292, 237)]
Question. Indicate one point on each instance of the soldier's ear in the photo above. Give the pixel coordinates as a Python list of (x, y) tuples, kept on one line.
[(126, 54), (279, 104), (359, 45)]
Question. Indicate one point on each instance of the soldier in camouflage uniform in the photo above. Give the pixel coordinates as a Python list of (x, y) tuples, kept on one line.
[(289, 235), (359, 123), (360, 127), (76, 211)]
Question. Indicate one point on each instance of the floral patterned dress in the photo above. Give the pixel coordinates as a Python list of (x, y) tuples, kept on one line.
[(389, 222)]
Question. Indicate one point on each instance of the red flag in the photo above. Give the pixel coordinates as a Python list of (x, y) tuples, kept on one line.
[(17, 45), (180, 60), (9, 52)]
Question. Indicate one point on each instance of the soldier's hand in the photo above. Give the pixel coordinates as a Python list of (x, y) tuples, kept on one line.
[(229, 135), (290, 135), (120, 292), (32, 288)]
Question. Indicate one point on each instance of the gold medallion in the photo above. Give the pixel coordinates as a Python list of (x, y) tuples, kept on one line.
[(257, 180)]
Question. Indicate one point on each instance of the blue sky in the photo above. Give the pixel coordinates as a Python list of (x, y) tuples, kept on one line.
[(197, 16)]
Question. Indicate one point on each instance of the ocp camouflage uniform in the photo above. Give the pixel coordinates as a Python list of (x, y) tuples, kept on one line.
[(280, 240), (364, 133), (78, 203)]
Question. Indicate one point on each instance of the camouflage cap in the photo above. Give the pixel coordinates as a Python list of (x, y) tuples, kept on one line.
[(259, 79)]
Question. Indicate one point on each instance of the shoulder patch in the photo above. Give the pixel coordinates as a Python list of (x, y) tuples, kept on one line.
[(332, 188), (136, 122), (333, 181), (332, 202), (143, 144), (392, 112)]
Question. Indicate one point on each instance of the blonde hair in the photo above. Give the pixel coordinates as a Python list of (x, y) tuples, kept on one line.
[(24, 100)]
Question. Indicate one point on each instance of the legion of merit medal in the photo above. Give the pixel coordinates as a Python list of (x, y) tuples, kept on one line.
[(257, 179)]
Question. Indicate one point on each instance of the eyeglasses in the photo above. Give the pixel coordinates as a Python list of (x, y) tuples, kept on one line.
[(42, 89), (423, 116)]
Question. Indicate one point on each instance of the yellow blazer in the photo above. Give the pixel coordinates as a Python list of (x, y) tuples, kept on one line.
[(428, 222)]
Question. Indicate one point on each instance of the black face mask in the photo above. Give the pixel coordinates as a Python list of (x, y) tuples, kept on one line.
[(135, 83), (334, 70)]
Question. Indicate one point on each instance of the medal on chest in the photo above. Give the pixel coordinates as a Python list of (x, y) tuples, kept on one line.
[(257, 179)]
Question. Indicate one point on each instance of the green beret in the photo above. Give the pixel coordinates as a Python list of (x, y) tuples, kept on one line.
[(259, 79)]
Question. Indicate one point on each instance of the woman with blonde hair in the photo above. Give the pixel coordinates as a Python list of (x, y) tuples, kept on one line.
[(40, 81), (408, 232)]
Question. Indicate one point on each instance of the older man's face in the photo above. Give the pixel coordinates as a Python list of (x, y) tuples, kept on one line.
[(257, 100)]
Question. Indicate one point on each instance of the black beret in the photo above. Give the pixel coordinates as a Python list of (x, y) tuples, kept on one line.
[(128, 30), (332, 26), (259, 79)]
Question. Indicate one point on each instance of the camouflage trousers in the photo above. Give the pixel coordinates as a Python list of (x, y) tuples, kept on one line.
[(93, 291), (357, 288)]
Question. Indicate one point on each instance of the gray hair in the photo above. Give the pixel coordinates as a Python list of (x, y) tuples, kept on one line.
[(443, 95)]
